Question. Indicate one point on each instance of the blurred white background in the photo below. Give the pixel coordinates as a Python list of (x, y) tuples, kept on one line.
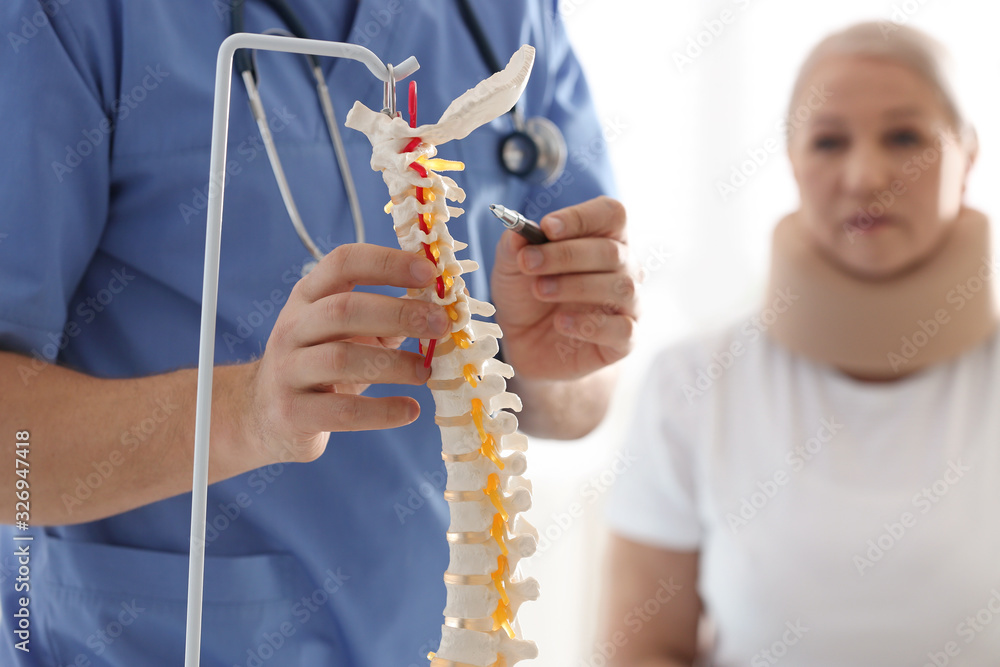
[(674, 134)]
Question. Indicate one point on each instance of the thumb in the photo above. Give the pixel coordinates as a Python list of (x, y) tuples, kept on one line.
[(508, 248)]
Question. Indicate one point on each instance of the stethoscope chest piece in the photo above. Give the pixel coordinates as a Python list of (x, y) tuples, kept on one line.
[(535, 151)]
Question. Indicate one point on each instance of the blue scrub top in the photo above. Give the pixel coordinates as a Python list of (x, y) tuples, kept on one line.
[(102, 231)]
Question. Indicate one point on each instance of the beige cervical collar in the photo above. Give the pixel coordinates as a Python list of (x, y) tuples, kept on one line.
[(883, 329)]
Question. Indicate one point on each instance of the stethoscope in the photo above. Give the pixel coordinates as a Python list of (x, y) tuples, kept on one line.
[(534, 151)]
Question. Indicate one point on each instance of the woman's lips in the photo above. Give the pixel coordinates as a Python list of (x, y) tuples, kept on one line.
[(866, 224)]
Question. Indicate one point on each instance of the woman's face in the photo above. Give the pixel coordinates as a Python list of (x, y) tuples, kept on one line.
[(880, 167)]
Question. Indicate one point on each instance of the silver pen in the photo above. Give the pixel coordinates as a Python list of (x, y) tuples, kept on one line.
[(516, 222)]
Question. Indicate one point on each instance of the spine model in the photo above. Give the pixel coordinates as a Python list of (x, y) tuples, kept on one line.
[(483, 453)]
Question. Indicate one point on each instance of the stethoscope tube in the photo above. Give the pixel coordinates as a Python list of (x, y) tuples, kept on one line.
[(338, 147), (248, 72), (475, 29), (279, 173), (536, 150)]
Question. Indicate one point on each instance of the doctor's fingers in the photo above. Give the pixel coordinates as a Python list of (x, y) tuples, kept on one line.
[(601, 216), (615, 292), (364, 264), (346, 363), (352, 314), (318, 411), (584, 255), (615, 333)]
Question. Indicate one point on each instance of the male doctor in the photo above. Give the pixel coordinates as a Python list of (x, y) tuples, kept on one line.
[(325, 526)]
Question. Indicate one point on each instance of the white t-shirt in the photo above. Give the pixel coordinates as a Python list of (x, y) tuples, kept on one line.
[(838, 522)]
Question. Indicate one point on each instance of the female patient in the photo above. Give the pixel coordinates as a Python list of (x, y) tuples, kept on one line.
[(822, 481)]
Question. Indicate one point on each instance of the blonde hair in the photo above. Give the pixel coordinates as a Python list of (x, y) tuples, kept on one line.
[(900, 44)]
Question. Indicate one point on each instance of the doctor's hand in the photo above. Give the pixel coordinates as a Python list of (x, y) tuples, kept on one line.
[(330, 343), (568, 307)]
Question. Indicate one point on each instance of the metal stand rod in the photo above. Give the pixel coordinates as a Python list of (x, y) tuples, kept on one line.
[(210, 290)]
